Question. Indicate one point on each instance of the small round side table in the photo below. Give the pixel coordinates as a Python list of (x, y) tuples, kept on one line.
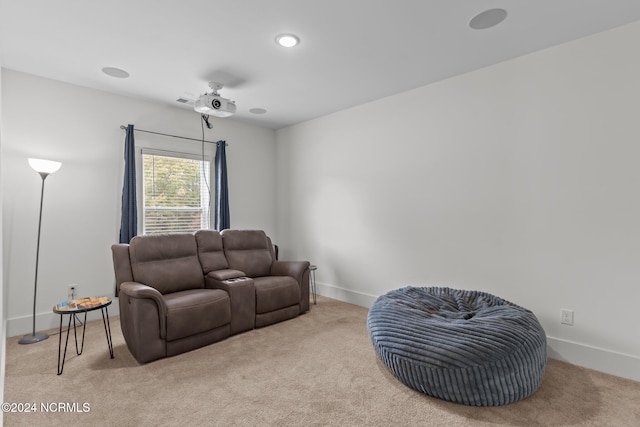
[(78, 306)]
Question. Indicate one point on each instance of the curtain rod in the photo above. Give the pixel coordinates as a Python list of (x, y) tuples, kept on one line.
[(173, 136)]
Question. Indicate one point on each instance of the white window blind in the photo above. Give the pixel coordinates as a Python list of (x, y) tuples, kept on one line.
[(175, 192)]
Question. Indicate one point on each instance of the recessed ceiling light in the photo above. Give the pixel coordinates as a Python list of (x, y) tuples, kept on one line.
[(257, 110), (487, 19), (287, 40), (115, 72)]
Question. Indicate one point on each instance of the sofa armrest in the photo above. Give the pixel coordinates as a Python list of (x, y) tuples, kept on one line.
[(295, 269), (141, 291), (299, 270), (222, 275)]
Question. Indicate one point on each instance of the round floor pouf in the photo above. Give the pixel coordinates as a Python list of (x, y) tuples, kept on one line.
[(462, 346)]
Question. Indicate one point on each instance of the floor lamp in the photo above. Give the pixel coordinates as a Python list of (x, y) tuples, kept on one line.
[(44, 168)]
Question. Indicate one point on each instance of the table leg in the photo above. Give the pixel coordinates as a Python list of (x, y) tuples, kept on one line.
[(107, 329), (84, 328), (61, 367), (313, 284)]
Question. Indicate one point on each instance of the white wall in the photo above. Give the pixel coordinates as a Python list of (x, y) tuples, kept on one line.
[(520, 179), (81, 128), (3, 312)]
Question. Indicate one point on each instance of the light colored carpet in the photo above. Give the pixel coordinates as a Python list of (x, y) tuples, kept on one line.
[(319, 369)]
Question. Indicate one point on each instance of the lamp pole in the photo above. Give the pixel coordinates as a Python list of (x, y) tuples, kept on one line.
[(41, 336), (49, 167)]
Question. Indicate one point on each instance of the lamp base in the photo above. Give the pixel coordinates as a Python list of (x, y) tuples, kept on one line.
[(33, 338)]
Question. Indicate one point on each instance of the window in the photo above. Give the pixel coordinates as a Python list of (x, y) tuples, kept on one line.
[(175, 192)]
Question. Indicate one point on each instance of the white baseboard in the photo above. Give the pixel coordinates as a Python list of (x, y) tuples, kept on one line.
[(346, 295), (607, 361), (45, 321), (599, 359)]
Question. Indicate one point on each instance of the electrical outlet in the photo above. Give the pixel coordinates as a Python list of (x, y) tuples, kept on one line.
[(566, 317), (71, 292)]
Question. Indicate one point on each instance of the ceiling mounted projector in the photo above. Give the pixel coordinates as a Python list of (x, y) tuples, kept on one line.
[(214, 104)]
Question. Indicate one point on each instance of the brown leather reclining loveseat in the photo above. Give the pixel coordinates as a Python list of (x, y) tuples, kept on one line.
[(178, 292)]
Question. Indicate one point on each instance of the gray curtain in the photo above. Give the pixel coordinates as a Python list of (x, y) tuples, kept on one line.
[(129, 220), (222, 219)]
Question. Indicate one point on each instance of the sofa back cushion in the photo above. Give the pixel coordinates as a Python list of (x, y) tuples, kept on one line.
[(248, 251), (210, 251), (167, 262)]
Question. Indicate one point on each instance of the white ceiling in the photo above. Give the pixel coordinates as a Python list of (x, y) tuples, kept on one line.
[(351, 51)]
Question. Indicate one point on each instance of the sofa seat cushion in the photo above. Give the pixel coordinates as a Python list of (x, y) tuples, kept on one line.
[(275, 292), (194, 311)]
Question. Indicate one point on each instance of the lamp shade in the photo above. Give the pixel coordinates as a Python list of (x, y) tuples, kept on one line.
[(44, 166)]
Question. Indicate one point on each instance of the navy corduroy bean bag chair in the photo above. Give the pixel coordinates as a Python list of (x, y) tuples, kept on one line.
[(462, 346)]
